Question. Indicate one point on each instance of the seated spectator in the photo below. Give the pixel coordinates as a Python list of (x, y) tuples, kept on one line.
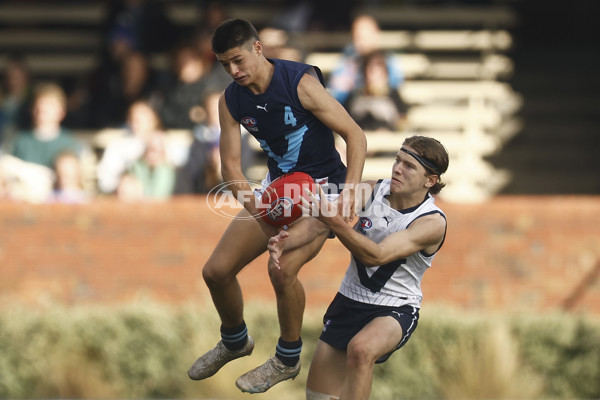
[(15, 99), (314, 15), (151, 29), (276, 45), (24, 181), (4, 189), (68, 184), (104, 80), (203, 168), (154, 171), (123, 152), (129, 189), (191, 82), (134, 80), (347, 75), (47, 138), (212, 13), (376, 106)]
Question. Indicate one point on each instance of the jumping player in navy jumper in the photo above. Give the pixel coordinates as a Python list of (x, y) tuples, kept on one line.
[(285, 106)]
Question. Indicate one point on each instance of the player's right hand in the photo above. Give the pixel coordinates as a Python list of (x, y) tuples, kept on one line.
[(275, 247)]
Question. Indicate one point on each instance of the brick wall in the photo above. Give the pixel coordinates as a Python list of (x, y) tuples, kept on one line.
[(512, 253)]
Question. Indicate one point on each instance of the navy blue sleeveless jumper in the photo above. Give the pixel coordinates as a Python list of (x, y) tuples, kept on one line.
[(292, 137)]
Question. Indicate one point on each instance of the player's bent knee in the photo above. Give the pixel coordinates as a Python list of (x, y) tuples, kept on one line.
[(282, 277), (213, 276), (359, 353), (311, 395)]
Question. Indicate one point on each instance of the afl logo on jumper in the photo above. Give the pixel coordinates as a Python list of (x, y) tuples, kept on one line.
[(250, 124), (364, 223)]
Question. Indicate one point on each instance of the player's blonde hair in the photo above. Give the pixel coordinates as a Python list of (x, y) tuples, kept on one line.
[(435, 153)]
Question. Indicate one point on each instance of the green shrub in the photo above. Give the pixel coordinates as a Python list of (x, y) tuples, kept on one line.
[(565, 350), (144, 350)]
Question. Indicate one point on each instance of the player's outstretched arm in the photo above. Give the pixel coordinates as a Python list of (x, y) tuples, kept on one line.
[(230, 149), (315, 98), (426, 233)]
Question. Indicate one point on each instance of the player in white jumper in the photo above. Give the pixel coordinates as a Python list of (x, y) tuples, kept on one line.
[(399, 231)]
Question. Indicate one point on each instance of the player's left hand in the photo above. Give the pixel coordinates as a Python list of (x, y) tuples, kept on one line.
[(347, 203)]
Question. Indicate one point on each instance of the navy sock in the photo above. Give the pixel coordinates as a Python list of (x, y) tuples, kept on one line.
[(288, 352), (234, 338)]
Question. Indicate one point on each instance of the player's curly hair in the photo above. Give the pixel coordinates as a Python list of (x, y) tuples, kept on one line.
[(232, 33), (435, 152)]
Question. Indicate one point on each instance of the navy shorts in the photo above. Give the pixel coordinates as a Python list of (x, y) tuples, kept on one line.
[(346, 317)]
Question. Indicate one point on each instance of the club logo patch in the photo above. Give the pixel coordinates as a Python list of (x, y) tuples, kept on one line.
[(364, 223), (250, 124)]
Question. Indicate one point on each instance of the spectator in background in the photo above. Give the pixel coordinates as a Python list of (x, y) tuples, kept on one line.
[(105, 80), (181, 108), (212, 13), (315, 15), (47, 138), (4, 188), (147, 22), (347, 75), (214, 72), (202, 171), (376, 106), (130, 189), (122, 152), (15, 98), (138, 79), (134, 80), (26, 169), (24, 181), (276, 45), (331, 15), (139, 27), (153, 171), (68, 184)]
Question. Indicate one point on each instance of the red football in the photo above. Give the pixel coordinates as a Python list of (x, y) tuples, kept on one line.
[(281, 199)]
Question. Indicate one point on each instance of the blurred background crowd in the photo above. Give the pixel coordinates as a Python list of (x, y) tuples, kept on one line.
[(42, 159), (142, 122)]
